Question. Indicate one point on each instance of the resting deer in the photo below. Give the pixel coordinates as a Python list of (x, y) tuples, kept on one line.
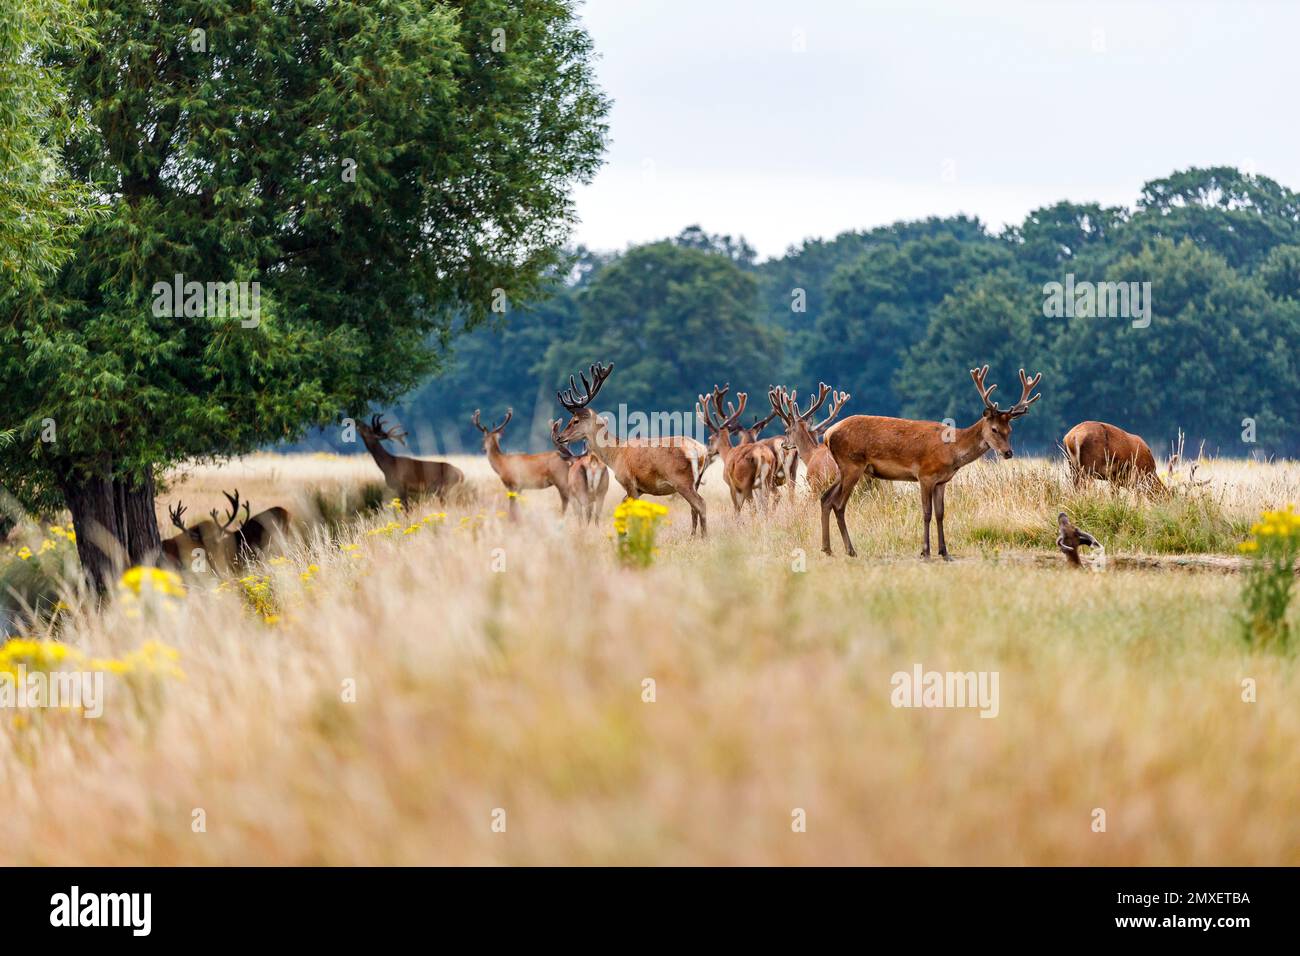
[(929, 453), (819, 466), (224, 550), (1101, 450), (659, 466), (746, 468), (407, 477), (588, 477), (523, 472), (785, 456), (1069, 539)]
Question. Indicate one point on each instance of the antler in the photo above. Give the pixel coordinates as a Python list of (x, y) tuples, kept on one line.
[(823, 390), (780, 402), (562, 447), (1027, 385), (760, 423), (837, 402), (978, 375), (177, 516), (572, 400), (234, 511), (733, 414)]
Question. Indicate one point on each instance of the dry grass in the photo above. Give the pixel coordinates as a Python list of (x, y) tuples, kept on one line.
[(521, 689)]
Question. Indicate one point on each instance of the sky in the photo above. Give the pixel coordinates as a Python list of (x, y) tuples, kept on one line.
[(781, 121)]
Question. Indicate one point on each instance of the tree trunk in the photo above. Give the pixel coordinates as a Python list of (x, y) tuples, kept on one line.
[(115, 524)]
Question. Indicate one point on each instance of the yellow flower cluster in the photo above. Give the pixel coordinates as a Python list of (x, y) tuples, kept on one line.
[(637, 509), (152, 657), (1272, 526), (140, 580)]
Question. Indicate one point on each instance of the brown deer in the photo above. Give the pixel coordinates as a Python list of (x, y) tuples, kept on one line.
[(1101, 450), (523, 472), (1069, 539), (746, 468), (929, 453), (222, 549), (588, 477), (784, 454), (407, 477), (642, 466), (819, 466)]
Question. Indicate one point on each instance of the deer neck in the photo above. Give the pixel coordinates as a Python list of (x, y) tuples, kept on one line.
[(969, 444), (603, 445), (383, 458), (495, 456)]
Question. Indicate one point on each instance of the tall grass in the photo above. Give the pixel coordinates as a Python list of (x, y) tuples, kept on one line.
[(415, 683)]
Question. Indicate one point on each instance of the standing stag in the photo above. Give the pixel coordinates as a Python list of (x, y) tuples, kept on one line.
[(1101, 450), (404, 476), (746, 468), (523, 472), (818, 464), (588, 477), (642, 466), (929, 453)]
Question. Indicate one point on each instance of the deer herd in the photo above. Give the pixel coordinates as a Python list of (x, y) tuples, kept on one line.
[(835, 456)]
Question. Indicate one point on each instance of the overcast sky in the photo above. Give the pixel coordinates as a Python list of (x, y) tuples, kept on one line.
[(900, 109)]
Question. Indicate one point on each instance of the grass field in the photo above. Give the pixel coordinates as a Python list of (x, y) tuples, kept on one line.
[(390, 702)]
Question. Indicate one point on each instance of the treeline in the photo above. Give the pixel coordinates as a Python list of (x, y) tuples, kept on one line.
[(1207, 342)]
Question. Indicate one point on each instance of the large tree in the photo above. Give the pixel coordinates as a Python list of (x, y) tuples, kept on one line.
[(385, 172)]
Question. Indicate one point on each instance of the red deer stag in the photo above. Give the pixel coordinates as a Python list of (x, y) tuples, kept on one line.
[(746, 468), (783, 453), (819, 466), (406, 477), (642, 466), (1100, 450), (929, 453), (222, 549), (523, 472), (588, 477)]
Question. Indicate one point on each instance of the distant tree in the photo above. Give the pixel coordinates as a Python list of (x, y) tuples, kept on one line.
[(1218, 350), (674, 321), (386, 172), (1238, 217), (879, 306), (1051, 239), (993, 320)]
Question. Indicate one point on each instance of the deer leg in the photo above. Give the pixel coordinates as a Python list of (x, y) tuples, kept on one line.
[(696, 502), (927, 496), (938, 519), (827, 502)]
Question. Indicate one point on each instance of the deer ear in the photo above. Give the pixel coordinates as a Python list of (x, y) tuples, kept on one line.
[(988, 412)]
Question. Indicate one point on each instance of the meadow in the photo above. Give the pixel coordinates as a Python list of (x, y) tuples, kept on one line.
[(450, 687)]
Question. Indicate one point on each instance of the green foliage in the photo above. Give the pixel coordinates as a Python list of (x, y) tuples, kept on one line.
[(226, 156)]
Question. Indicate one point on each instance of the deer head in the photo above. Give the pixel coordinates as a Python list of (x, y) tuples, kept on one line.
[(492, 436), (583, 422), (379, 431), (720, 431), (995, 424), (798, 426), (561, 446)]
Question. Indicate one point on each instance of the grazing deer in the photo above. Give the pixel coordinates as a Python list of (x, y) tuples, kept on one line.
[(745, 468), (642, 466), (404, 476), (588, 477), (523, 472), (1069, 539), (784, 454), (1101, 450), (819, 466), (929, 453)]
